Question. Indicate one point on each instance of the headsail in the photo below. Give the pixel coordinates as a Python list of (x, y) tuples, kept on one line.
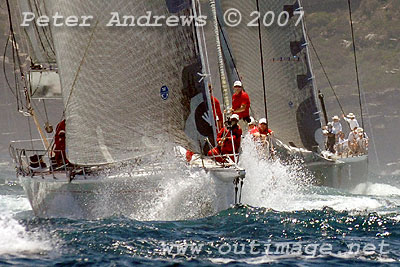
[(292, 109), (129, 90)]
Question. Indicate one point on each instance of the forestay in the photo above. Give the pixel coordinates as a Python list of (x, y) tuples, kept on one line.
[(292, 109), (129, 90)]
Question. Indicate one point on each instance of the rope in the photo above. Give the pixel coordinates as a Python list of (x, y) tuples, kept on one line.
[(79, 68), (224, 84), (262, 64), (5, 73), (355, 63)]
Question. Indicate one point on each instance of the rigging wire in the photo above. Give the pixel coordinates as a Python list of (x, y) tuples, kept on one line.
[(5, 73), (79, 68), (355, 62), (325, 73), (232, 58), (38, 31), (229, 49), (262, 64)]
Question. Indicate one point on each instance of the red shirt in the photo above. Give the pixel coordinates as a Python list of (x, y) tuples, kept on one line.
[(216, 109), (226, 147), (257, 130), (240, 99)]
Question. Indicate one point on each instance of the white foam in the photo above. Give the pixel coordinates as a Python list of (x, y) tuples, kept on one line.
[(12, 204), (376, 189), (289, 188), (16, 240), (185, 194)]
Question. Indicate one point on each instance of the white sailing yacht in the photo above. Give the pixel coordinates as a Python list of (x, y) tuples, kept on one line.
[(127, 93)]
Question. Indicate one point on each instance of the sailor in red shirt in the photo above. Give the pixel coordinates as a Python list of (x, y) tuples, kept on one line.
[(252, 124), (59, 144), (261, 131), (240, 102), (216, 107), (224, 140)]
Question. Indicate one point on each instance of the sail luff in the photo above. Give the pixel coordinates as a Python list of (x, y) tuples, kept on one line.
[(206, 75), (314, 82)]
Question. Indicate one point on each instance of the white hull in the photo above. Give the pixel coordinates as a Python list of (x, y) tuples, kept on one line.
[(127, 195)]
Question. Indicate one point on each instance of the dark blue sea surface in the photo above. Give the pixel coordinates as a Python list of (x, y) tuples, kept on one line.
[(290, 226)]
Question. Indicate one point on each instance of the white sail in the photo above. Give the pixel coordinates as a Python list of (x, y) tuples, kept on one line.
[(292, 109), (129, 90)]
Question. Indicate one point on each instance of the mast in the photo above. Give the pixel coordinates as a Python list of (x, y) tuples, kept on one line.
[(355, 63), (262, 65)]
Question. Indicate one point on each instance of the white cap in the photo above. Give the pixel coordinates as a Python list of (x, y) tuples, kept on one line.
[(237, 83), (235, 117), (360, 130), (351, 116), (252, 121), (335, 118), (263, 120), (330, 124)]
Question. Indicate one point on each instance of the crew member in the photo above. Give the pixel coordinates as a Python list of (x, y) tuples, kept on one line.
[(240, 102), (262, 131), (59, 145), (232, 132), (337, 126), (330, 138), (351, 119), (252, 124)]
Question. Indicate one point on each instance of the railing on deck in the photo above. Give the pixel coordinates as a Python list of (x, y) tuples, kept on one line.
[(37, 161)]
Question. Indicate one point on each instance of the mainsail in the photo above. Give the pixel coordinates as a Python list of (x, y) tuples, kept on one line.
[(129, 90), (292, 109)]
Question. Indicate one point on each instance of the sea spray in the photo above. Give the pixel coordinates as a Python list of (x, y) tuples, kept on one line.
[(271, 183)]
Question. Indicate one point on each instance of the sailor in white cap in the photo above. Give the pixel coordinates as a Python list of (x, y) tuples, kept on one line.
[(337, 126), (351, 119), (228, 141), (252, 124), (362, 141), (240, 102)]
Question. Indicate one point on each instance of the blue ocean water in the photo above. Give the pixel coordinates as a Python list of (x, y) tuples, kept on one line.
[(282, 221)]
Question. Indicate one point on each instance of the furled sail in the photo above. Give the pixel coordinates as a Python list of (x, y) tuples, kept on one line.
[(292, 108), (129, 90), (39, 40)]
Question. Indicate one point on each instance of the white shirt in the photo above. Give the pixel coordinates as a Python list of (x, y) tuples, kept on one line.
[(337, 127), (352, 136), (353, 123), (342, 141)]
